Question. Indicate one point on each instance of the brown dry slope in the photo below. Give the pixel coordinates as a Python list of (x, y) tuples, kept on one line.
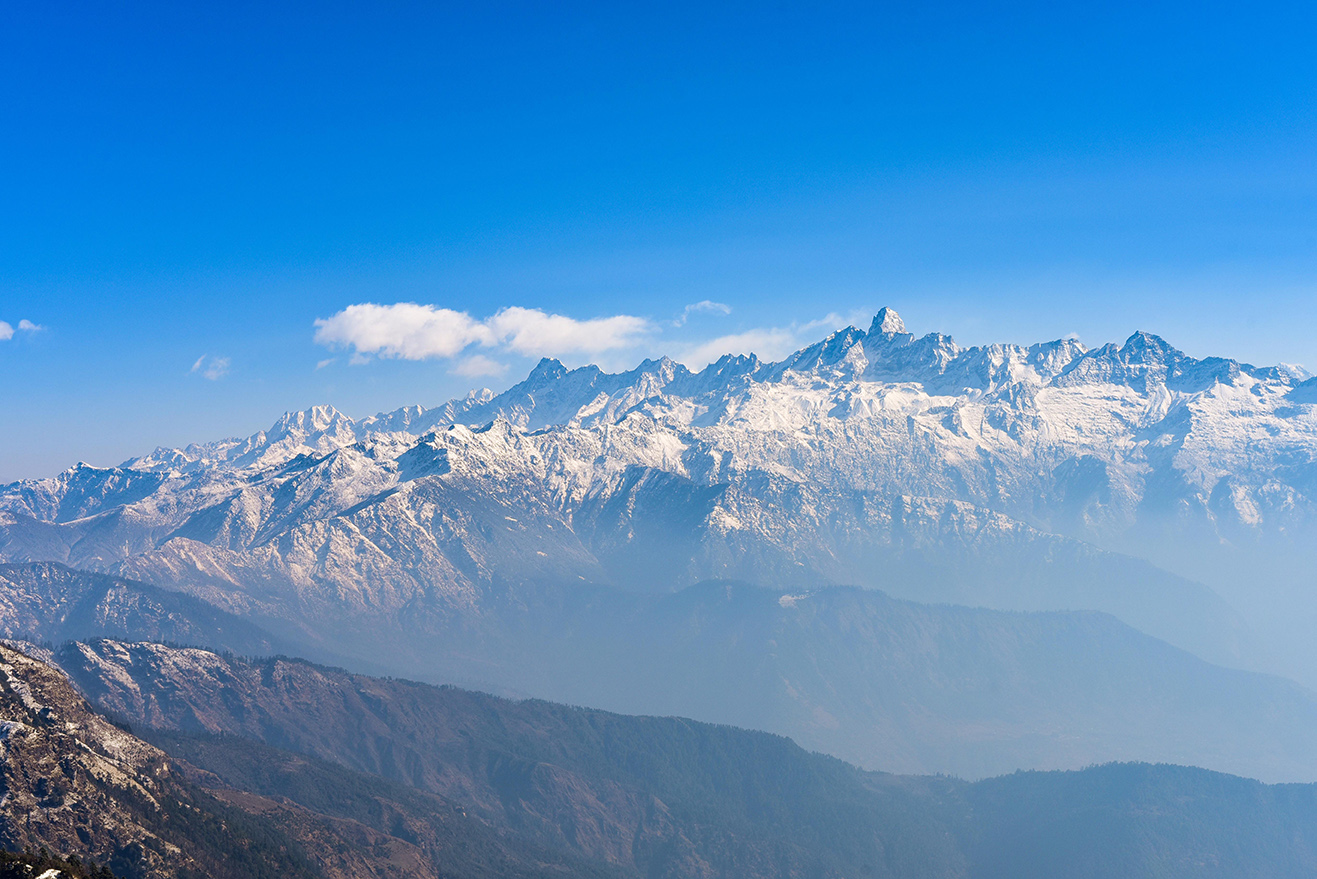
[(76, 784)]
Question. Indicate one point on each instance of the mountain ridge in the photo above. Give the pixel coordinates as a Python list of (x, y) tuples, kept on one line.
[(724, 801), (994, 476), (1119, 469)]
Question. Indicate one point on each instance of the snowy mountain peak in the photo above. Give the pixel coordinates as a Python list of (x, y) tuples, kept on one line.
[(312, 420), (546, 371), (887, 322), (882, 411), (1149, 346)]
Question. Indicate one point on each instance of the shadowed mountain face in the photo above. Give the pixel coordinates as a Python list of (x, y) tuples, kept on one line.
[(75, 784), (646, 796), (1118, 820)]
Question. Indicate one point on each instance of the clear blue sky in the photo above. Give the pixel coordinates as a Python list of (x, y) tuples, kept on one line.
[(196, 187)]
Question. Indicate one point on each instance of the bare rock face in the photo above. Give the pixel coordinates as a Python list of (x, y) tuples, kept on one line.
[(73, 782)]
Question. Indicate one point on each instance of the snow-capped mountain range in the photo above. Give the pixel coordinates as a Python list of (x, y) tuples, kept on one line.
[(1026, 478)]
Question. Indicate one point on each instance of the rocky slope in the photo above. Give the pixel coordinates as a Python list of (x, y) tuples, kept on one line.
[(75, 784)]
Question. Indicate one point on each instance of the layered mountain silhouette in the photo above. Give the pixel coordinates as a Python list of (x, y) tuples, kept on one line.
[(102, 799), (358, 776)]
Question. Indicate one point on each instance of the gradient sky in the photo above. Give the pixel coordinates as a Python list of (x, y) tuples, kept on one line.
[(187, 190)]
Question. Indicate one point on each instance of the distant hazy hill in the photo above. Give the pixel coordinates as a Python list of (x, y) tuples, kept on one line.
[(971, 689), (896, 685), (646, 796), (884, 683)]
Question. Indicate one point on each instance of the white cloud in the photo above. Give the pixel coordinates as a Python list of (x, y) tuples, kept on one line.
[(478, 365), (7, 330), (826, 324), (405, 330), (768, 343), (532, 332), (707, 306), (411, 331), (213, 368), (321, 364)]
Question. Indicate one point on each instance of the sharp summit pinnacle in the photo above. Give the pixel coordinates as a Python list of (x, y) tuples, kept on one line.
[(887, 321)]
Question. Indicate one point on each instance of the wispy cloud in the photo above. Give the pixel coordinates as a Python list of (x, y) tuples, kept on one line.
[(482, 347), (7, 330), (767, 343), (707, 306), (479, 366), (532, 332), (211, 367), (411, 331)]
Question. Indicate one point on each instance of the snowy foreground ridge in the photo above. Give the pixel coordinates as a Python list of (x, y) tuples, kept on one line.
[(745, 468)]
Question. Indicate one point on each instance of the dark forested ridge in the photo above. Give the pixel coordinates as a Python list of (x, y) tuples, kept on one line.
[(650, 796), (88, 790)]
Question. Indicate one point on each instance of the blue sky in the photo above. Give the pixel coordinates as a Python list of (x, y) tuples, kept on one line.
[(196, 188)]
